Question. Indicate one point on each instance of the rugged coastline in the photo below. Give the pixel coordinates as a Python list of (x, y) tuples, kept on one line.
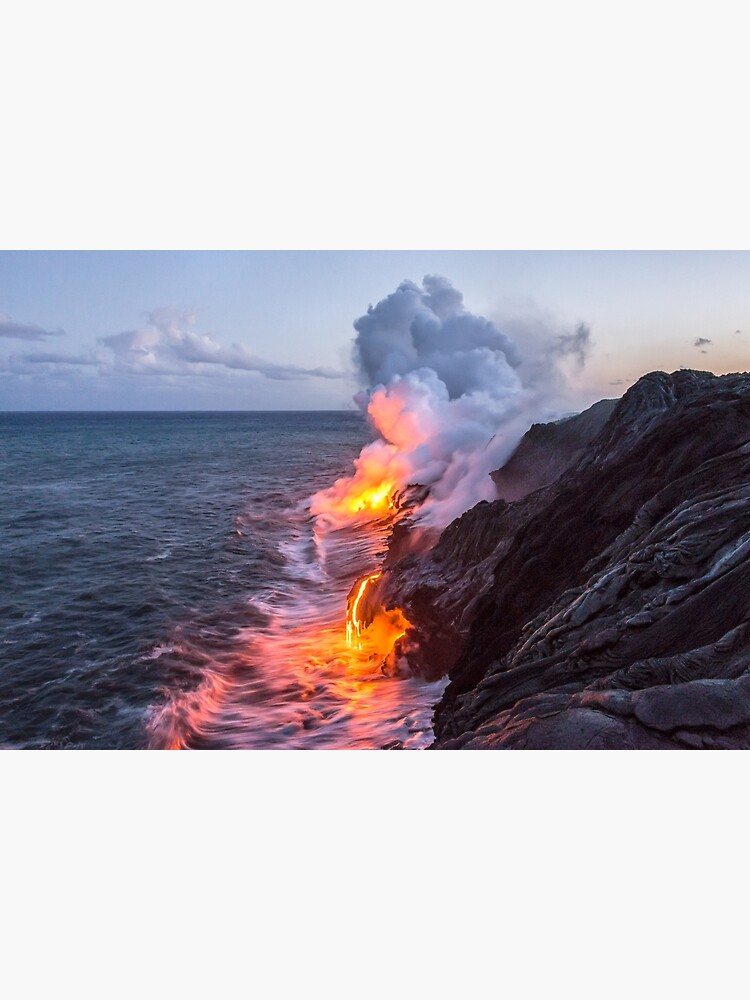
[(603, 600)]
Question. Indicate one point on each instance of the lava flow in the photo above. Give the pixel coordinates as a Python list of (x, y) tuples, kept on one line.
[(353, 622), (369, 626), (302, 676)]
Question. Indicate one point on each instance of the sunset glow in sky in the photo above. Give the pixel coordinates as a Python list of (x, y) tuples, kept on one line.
[(273, 330)]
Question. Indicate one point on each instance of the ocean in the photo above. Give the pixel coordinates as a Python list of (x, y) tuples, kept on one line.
[(164, 585)]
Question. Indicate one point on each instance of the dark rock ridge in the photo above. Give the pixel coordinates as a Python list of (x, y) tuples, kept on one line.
[(546, 451), (611, 607)]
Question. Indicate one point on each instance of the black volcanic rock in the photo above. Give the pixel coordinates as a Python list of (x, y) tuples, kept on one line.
[(439, 589), (614, 607), (546, 450)]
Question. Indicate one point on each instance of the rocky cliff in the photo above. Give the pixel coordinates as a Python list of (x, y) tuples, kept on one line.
[(610, 606)]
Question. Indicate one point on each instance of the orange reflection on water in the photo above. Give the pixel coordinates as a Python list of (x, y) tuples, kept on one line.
[(308, 678), (304, 681)]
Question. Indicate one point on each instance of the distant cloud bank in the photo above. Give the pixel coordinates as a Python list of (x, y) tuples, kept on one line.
[(13, 330), (166, 345)]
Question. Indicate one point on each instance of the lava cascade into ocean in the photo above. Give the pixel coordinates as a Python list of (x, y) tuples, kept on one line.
[(326, 669)]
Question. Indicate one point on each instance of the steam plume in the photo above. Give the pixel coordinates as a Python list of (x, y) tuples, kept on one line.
[(449, 395)]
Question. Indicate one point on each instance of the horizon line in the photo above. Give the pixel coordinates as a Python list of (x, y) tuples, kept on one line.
[(52, 412)]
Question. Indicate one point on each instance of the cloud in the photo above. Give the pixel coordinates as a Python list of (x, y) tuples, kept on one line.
[(449, 394), (575, 345), (55, 358), (700, 342), (24, 331), (427, 327), (46, 363), (167, 346)]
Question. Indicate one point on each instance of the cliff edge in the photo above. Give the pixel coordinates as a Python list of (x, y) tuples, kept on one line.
[(609, 608)]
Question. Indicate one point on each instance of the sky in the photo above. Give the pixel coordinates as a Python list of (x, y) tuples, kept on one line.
[(214, 330)]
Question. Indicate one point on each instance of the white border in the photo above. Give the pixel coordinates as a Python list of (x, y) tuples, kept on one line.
[(350, 126)]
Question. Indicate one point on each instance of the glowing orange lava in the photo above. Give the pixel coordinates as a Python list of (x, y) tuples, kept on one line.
[(353, 623), (377, 630), (375, 498), (303, 648), (369, 493)]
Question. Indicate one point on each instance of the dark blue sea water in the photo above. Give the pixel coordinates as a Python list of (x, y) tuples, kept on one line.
[(163, 584)]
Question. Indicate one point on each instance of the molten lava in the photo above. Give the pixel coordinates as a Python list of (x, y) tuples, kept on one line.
[(374, 498), (353, 622), (367, 494), (383, 468), (309, 669), (373, 628)]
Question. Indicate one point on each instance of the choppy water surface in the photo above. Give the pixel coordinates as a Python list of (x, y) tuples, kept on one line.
[(162, 584)]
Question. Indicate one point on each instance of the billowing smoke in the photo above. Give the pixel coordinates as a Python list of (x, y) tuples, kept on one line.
[(574, 345), (427, 328), (449, 395)]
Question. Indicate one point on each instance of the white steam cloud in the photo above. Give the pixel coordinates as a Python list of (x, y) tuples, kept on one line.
[(428, 328), (450, 396)]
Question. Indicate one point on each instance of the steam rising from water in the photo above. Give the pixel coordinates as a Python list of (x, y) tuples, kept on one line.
[(450, 396)]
